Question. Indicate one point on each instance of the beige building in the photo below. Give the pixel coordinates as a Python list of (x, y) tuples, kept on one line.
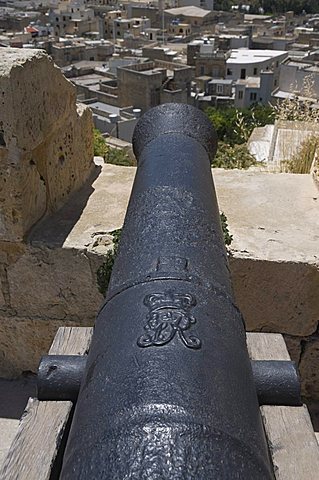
[(195, 16), (179, 29), (149, 84), (72, 18), (67, 52), (206, 60), (117, 26)]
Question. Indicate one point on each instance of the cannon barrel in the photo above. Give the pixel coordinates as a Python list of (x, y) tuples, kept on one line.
[(168, 389)]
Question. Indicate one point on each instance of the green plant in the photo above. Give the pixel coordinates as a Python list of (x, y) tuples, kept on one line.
[(104, 271), (228, 238), (234, 126), (118, 156), (233, 156), (100, 147)]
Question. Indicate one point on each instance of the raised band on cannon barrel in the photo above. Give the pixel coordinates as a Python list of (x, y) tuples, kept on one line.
[(168, 389)]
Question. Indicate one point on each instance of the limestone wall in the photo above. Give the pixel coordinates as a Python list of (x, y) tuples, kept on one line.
[(45, 143), (46, 155)]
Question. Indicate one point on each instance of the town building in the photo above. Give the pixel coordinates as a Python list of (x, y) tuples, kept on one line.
[(254, 90), (244, 63), (194, 16), (68, 51), (206, 59), (152, 83), (299, 77), (73, 18)]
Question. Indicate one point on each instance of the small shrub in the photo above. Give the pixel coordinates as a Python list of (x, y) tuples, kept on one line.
[(234, 126), (233, 156), (104, 271), (118, 156), (228, 238), (100, 147)]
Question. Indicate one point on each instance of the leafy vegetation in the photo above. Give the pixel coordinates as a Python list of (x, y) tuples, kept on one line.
[(100, 147), (228, 238), (233, 156), (118, 156), (234, 126), (104, 271), (115, 156)]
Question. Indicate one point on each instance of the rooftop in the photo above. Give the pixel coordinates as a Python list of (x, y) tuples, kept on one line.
[(188, 11), (245, 55)]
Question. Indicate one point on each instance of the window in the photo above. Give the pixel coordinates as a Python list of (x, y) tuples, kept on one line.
[(219, 88), (255, 71), (202, 70), (243, 73), (229, 72), (240, 94), (253, 96)]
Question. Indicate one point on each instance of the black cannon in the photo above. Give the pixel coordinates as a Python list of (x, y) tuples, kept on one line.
[(168, 390)]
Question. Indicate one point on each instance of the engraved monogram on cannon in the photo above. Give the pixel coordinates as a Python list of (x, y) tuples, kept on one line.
[(169, 315)]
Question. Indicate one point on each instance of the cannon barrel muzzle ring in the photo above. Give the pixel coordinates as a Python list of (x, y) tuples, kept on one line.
[(175, 118)]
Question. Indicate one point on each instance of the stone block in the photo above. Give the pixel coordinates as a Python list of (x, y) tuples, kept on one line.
[(280, 297), (54, 284), (35, 97), (294, 347), (308, 369), (23, 341), (46, 143)]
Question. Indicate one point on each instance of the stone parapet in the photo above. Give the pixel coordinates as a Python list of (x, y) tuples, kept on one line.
[(46, 146), (51, 280)]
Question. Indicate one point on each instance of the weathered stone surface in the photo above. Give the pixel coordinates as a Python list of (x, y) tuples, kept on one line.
[(278, 297), (294, 347), (46, 145), (23, 341), (54, 284), (2, 300), (308, 368), (315, 170), (35, 95)]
